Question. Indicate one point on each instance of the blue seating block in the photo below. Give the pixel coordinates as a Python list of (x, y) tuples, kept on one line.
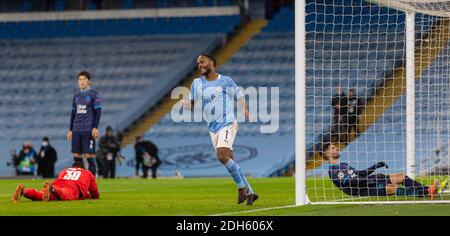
[(116, 27)]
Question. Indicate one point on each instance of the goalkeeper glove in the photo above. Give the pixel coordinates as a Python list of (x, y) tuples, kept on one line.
[(381, 164)]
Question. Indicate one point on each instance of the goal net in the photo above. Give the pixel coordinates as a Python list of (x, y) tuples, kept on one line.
[(377, 89)]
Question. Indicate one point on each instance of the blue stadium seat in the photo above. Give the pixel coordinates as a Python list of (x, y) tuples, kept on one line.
[(123, 67), (117, 27)]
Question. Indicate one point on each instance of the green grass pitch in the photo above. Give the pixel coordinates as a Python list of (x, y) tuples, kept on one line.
[(203, 197)]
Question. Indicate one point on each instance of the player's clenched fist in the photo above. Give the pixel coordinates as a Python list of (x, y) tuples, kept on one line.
[(95, 133), (186, 104), (69, 135)]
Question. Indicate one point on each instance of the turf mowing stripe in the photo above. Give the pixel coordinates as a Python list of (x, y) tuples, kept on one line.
[(119, 190), (104, 191), (256, 210)]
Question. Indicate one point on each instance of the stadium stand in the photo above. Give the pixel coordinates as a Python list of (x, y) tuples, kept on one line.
[(268, 60), (120, 57), (145, 57), (135, 63), (118, 27)]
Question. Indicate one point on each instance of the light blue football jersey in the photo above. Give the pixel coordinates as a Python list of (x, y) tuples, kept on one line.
[(220, 94)]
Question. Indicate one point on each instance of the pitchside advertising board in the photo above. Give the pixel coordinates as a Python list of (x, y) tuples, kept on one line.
[(195, 157), (260, 156)]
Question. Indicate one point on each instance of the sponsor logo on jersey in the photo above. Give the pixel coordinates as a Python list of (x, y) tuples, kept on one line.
[(340, 175), (81, 109)]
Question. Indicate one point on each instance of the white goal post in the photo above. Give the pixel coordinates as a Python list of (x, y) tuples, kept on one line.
[(395, 56), (300, 160)]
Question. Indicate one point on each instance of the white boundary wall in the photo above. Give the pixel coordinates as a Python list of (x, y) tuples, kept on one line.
[(120, 14)]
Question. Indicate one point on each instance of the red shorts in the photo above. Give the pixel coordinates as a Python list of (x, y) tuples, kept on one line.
[(62, 191), (65, 191)]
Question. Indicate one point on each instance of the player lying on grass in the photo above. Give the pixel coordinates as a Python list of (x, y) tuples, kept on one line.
[(365, 183), (74, 183)]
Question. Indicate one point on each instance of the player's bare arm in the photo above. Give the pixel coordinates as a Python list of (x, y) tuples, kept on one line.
[(69, 135), (243, 105), (95, 133), (187, 104)]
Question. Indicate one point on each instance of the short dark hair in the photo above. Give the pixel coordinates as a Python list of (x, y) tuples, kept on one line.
[(324, 148), (86, 74), (45, 139), (78, 165), (109, 128), (211, 57), (352, 90)]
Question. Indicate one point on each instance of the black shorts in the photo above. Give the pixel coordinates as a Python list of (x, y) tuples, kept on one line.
[(374, 186), (372, 192), (83, 143)]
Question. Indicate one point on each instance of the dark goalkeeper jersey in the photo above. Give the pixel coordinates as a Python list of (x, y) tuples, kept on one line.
[(341, 174), (352, 181)]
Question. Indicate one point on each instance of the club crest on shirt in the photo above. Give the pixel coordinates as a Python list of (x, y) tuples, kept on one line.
[(340, 175), (351, 173)]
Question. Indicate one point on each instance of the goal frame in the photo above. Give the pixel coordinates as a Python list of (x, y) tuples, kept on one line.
[(301, 197)]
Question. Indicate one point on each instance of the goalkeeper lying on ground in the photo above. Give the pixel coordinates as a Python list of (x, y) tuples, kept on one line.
[(364, 183)]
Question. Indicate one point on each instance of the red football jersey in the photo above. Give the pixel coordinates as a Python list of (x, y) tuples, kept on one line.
[(82, 178)]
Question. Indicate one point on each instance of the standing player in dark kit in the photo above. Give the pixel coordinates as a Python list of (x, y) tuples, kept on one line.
[(84, 121)]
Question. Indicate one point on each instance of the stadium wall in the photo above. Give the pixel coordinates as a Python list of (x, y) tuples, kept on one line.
[(120, 14)]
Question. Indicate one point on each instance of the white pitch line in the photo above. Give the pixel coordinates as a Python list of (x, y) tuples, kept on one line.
[(354, 199), (274, 208), (256, 210)]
